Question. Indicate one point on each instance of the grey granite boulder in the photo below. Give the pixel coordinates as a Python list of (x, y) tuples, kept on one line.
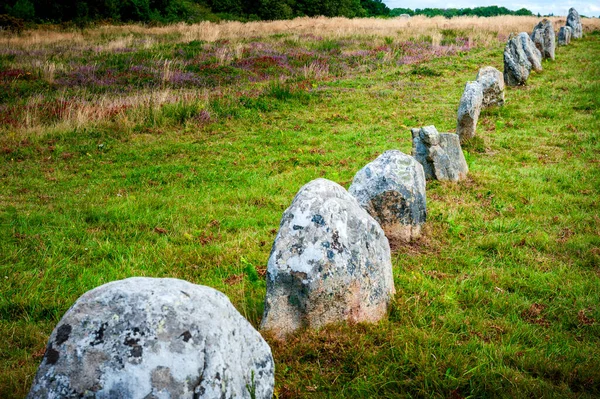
[(439, 153), (492, 83), (543, 38), (516, 65), (469, 109), (520, 55), (574, 22), (533, 55), (330, 262), (154, 338), (564, 35), (392, 190)]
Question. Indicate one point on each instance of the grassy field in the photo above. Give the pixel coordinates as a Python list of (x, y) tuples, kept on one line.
[(124, 154)]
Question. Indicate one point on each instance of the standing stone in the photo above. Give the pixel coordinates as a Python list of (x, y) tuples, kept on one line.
[(543, 38), (516, 65), (439, 153), (330, 262), (492, 82), (154, 338), (518, 56), (564, 35), (534, 56), (392, 190), (469, 110), (574, 22)]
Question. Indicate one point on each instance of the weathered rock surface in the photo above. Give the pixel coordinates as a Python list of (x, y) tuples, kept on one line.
[(154, 338), (543, 38), (492, 83), (392, 190), (520, 56), (439, 153), (534, 56), (574, 22), (564, 35), (469, 110), (330, 262)]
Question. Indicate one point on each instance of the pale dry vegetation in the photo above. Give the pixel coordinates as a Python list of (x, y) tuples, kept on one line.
[(479, 29)]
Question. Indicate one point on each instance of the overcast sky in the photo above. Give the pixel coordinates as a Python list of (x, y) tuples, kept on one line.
[(588, 8)]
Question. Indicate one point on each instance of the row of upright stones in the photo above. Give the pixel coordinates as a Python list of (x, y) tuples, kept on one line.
[(330, 262), (525, 52), (331, 259)]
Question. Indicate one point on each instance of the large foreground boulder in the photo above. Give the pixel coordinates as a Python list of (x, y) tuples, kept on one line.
[(330, 262), (469, 109), (439, 153), (574, 22), (564, 35), (154, 338), (392, 190), (543, 38), (492, 83)]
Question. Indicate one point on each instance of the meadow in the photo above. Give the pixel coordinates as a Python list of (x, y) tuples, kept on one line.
[(173, 151)]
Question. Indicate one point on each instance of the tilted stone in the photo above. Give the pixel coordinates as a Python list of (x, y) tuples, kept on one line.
[(543, 38), (574, 22), (564, 35), (469, 110), (392, 190), (518, 54), (154, 338), (440, 154), (534, 56), (330, 262), (492, 83)]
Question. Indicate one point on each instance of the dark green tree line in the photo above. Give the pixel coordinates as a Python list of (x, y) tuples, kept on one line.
[(488, 11), (182, 10)]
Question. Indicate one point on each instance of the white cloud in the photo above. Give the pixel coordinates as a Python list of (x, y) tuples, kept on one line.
[(536, 6)]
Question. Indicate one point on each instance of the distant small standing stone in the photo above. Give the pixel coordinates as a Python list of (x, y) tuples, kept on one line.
[(440, 154), (330, 262), (543, 37), (154, 338), (564, 35), (469, 110), (492, 82), (392, 190), (574, 22)]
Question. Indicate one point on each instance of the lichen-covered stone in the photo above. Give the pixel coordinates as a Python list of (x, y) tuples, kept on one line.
[(492, 83), (533, 55), (564, 35), (154, 338), (439, 153), (543, 38), (469, 110), (574, 22), (392, 190), (520, 56), (330, 262)]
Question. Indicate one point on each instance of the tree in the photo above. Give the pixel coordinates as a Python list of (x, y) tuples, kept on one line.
[(23, 9), (375, 8)]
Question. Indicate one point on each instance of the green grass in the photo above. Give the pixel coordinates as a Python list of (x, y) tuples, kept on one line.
[(500, 298)]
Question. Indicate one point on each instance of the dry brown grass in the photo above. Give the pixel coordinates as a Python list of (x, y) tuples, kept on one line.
[(478, 29)]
